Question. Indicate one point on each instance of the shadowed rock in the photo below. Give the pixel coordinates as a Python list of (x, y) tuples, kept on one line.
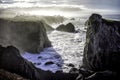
[(102, 49), (27, 36), (5, 75), (67, 28), (11, 60)]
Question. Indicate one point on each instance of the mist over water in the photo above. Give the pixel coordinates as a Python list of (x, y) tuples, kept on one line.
[(90, 3), (55, 12), (66, 8)]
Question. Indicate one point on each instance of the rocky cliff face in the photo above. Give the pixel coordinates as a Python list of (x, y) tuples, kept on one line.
[(102, 48), (27, 36), (12, 62)]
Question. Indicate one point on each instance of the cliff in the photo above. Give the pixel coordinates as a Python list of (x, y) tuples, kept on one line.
[(102, 48), (14, 65), (26, 35)]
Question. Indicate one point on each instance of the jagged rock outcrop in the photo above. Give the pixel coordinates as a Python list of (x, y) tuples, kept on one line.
[(67, 28), (101, 60), (11, 60), (27, 36)]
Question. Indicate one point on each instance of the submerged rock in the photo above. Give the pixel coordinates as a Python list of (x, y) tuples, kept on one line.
[(102, 49), (67, 28), (27, 36), (49, 63), (71, 65)]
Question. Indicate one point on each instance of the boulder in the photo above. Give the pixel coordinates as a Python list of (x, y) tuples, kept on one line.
[(27, 36), (66, 28), (102, 49), (11, 61)]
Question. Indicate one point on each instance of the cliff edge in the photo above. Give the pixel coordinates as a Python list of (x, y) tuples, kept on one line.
[(102, 49), (27, 36)]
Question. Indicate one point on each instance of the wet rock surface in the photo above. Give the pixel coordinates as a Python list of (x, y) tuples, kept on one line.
[(11, 60), (66, 28), (101, 60)]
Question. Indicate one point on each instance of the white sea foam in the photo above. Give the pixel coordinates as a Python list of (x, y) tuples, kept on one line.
[(49, 59), (67, 47)]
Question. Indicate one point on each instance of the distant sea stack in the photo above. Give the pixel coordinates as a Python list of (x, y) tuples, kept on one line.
[(27, 36), (102, 48), (66, 28)]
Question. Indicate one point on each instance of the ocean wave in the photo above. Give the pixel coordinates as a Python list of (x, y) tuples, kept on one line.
[(47, 19)]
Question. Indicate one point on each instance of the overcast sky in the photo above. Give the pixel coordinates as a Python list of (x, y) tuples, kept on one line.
[(89, 3)]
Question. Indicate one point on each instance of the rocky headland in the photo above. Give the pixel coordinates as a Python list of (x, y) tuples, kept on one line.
[(101, 60), (27, 36)]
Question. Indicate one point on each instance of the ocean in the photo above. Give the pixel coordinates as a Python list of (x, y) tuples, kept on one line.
[(67, 47)]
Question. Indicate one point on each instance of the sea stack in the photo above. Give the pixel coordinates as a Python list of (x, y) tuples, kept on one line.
[(102, 48), (66, 28), (27, 36)]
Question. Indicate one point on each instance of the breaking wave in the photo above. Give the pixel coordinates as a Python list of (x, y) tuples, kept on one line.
[(46, 19)]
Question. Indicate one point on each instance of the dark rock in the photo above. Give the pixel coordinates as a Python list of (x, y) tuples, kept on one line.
[(103, 75), (27, 36), (11, 60), (102, 44), (5, 75), (74, 70), (71, 65), (39, 57), (67, 28), (49, 63), (102, 51)]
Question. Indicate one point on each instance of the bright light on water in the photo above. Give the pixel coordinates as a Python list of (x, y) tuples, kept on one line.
[(67, 47)]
